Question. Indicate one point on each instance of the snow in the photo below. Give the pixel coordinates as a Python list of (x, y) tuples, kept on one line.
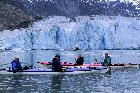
[(58, 32)]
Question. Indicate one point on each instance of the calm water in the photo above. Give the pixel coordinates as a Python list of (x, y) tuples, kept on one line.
[(116, 81)]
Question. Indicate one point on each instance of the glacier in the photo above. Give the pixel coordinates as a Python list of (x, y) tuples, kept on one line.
[(86, 32)]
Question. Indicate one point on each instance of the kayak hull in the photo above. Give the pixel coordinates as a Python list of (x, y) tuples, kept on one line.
[(49, 71)]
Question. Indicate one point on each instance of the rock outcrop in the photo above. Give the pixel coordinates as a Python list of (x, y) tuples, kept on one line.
[(12, 17)]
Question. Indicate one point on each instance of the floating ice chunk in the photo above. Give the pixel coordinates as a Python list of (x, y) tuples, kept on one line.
[(17, 50)]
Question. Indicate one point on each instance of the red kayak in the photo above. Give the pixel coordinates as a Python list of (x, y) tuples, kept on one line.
[(47, 64)]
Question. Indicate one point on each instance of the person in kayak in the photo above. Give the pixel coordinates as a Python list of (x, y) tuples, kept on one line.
[(16, 65), (107, 60), (80, 60), (56, 65)]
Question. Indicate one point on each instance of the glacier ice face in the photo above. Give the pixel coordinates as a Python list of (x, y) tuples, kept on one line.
[(58, 32)]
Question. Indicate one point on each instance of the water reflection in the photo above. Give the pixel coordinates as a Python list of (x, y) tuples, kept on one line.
[(109, 72), (11, 83), (15, 81), (56, 83), (110, 82)]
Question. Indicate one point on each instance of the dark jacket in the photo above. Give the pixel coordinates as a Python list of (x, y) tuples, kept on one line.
[(80, 61), (16, 66), (56, 65), (107, 61)]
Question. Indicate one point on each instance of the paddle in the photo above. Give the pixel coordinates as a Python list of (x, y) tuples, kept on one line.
[(1, 66), (62, 63), (27, 67), (23, 67), (2, 69), (64, 69)]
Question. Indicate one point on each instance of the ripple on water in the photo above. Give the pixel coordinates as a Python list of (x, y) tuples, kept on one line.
[(119, 81)]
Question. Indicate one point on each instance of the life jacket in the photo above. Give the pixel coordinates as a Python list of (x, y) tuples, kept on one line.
[(107, 61), (16, 66), (56, 65), (80, 61)]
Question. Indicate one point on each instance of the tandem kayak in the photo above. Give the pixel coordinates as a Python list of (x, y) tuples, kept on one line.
[(65, 71), (67, 64)]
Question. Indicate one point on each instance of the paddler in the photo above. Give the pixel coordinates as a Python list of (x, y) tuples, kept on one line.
[(16, 65), (107, 60), (80, 60), (56, 65)]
